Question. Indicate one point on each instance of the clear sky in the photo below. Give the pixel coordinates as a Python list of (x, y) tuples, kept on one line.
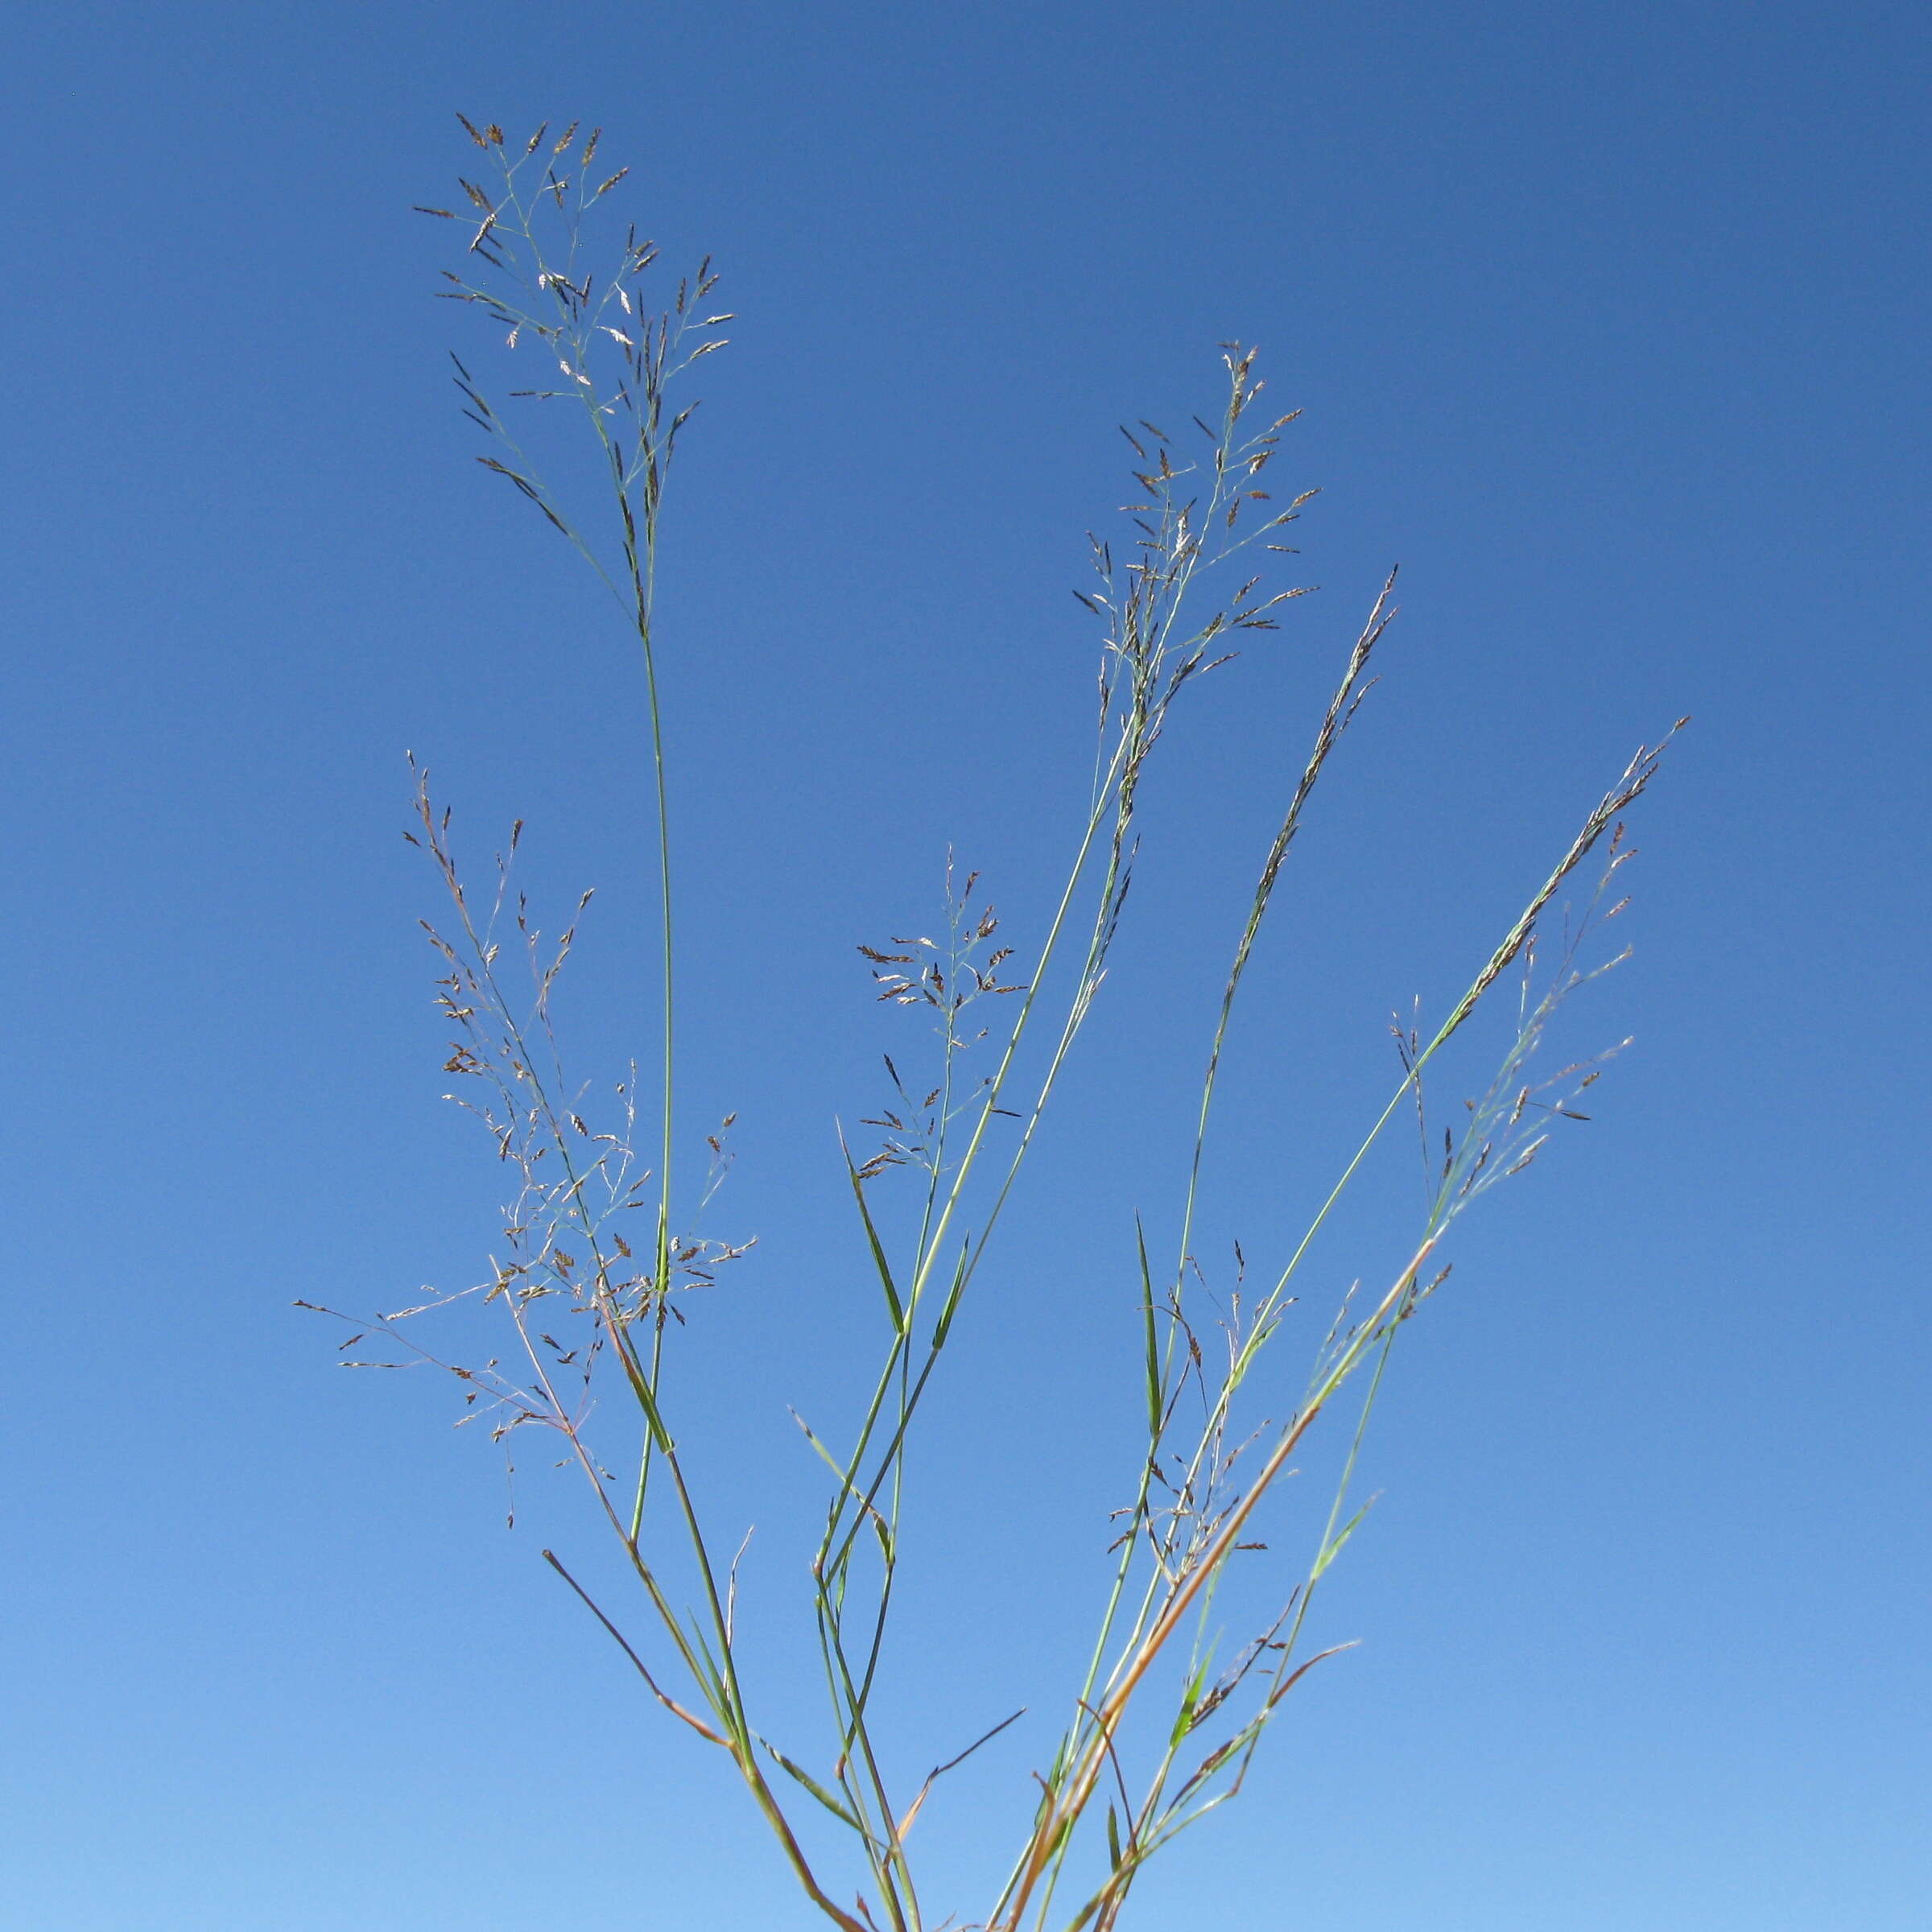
[(1610, 322)]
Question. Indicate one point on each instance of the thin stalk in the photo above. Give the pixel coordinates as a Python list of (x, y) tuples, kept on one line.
[(1087, 1767), (1340, 708)]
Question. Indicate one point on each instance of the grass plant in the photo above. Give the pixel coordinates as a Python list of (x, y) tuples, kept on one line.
[(601, 1224)]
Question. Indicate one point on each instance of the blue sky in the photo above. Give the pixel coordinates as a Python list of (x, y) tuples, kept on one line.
[(1610, 326)]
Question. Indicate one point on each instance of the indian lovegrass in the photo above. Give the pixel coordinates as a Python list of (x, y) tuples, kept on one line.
[(588, 1287)]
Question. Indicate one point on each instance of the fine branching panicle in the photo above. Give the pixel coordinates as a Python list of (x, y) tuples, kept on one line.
[(600, 1252)]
